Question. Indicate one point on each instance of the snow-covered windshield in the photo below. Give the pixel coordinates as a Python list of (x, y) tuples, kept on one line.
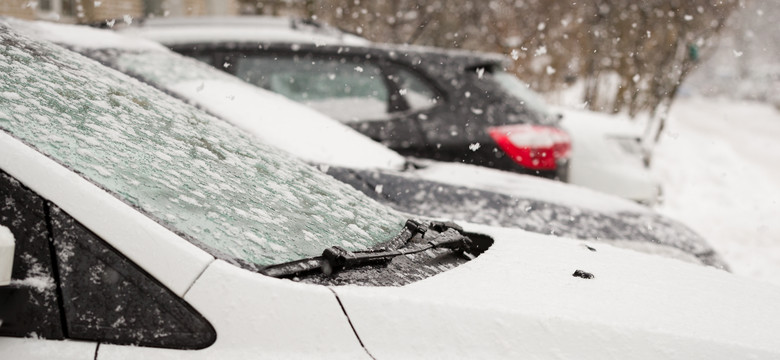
[(272, 118), (517, 88), (193, 173)]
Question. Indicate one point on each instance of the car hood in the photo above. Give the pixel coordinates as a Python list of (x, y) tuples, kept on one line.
[(525, 186), (521, 299)]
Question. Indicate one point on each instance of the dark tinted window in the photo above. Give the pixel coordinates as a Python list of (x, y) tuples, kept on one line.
[(108, 299), (28, 307), (64, 274)]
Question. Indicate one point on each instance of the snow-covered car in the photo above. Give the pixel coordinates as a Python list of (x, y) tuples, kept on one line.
[(608, 156), (145, 228), (425, 102), (446, 190)]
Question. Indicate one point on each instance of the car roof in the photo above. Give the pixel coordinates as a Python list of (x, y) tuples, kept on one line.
[(186, 30), (285, 31)]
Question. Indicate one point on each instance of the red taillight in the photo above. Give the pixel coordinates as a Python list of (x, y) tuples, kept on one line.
[(535, 147)]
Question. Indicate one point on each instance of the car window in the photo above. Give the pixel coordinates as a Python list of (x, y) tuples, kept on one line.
[(29, 306), (67, 282), (200, 177), (344, 90), (418, 95), (520, 90), (107, 298)]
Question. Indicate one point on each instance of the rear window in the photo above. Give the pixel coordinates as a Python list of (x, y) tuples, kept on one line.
[(193, 173)]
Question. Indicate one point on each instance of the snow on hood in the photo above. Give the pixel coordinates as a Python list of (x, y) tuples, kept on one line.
[(274, 119), (524, 186), (521, 299)]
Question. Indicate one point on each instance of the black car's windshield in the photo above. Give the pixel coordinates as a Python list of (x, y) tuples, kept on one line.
[(194, 174)]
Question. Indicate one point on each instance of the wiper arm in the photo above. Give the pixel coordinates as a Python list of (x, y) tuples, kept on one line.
[(447, 236)]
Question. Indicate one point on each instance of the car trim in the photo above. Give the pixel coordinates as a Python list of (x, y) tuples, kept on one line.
[(175, 262)]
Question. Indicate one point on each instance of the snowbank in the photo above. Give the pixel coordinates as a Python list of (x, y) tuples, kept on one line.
[(718, 161)]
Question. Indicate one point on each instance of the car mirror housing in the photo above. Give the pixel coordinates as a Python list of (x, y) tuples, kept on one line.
[(6, 255)]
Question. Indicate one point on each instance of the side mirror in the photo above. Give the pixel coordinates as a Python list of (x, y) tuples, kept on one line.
[(6, 255)]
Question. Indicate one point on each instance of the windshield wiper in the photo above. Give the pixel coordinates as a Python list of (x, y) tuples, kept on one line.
[(440, 235)]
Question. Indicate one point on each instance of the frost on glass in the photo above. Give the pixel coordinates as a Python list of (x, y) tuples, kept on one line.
[(192, 173)]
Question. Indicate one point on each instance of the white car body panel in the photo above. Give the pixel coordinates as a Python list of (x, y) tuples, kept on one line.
[(175, 262), (7, 245), (598, 162), (39, 349), (256, 316), (520, 300)]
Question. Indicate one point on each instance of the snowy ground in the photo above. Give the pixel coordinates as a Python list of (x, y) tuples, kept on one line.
[(719, 161)]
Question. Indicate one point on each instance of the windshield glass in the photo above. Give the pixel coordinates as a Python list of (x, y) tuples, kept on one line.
[(193, 173), (522, 91)]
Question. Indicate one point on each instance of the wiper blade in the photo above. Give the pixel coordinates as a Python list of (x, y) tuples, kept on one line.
[(445, 235)]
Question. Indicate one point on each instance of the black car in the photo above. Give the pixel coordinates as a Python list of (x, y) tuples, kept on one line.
[(426, 102)]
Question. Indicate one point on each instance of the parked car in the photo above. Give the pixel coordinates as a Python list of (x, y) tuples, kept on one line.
[(145, 228), (425, 102), (447, 190), (446, 105)]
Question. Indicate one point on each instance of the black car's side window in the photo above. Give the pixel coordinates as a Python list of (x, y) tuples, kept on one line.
[(345, 90), (98, 294)]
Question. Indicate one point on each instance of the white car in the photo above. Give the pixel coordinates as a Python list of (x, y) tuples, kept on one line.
[(447, 190), (145, 228)]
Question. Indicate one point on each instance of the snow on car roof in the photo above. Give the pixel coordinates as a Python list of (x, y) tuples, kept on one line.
[(269, 29), (83, 36), (230, 29), (274, 119)]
